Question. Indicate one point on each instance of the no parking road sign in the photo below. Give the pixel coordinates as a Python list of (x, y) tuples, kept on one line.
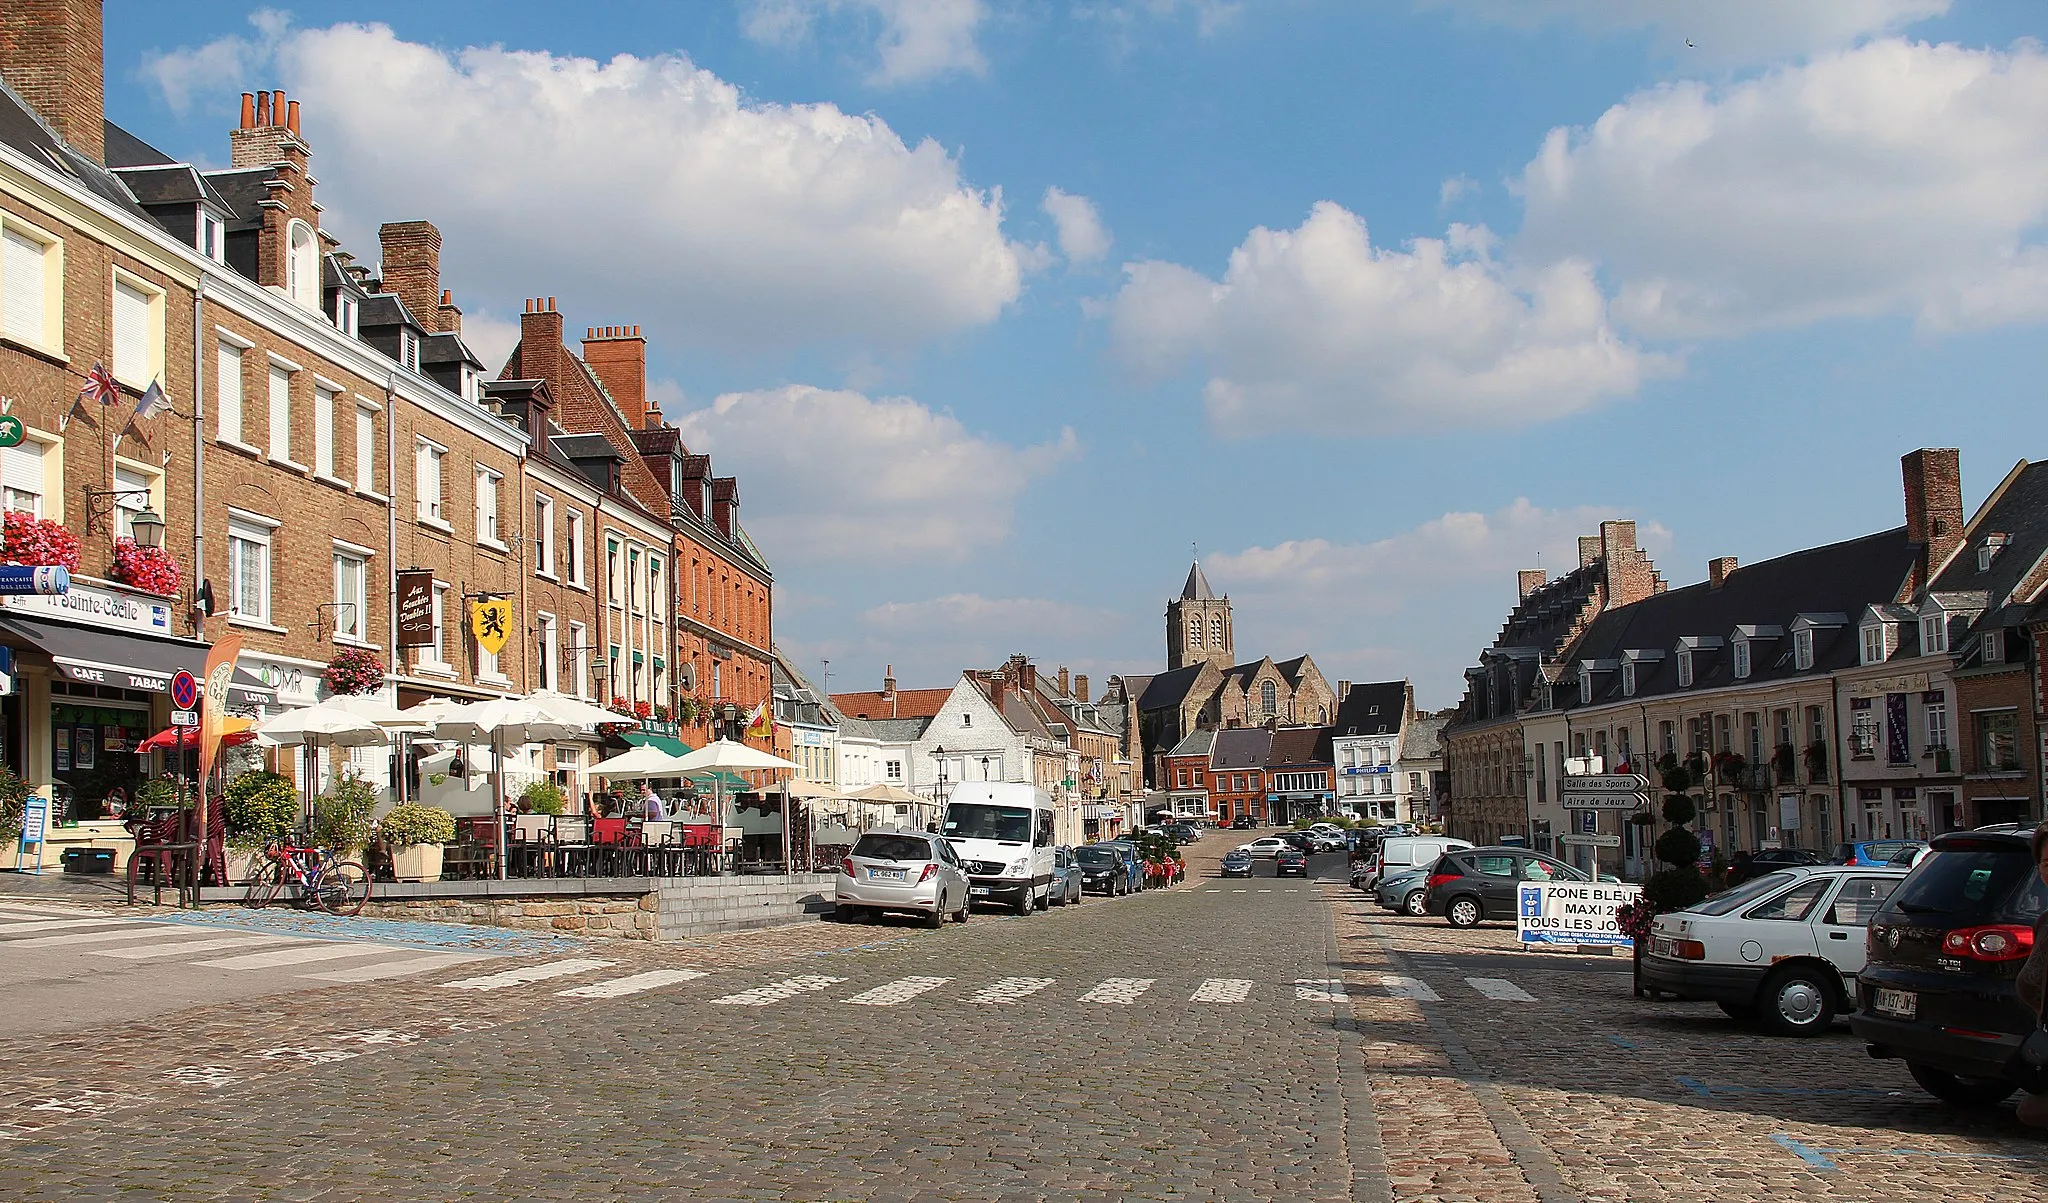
[(184, 691)]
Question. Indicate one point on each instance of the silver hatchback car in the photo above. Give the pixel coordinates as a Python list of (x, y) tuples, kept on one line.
[(905, 871)]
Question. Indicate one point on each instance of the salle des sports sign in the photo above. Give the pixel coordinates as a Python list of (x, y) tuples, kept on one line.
[(1573, 912)]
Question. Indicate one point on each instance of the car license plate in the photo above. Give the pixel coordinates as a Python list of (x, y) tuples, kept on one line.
[(885, 874), (1660, 946), (1901, 1003), (977, 891)]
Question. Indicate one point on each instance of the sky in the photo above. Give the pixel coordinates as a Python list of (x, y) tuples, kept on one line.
[(1002, 309)]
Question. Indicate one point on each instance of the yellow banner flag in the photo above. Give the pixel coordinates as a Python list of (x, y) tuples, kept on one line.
[(491, 623), (213, 701)]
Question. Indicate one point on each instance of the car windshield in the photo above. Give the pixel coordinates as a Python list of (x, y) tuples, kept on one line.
[(1748, 891), (1095, 856), (877, 846), (1995, 883), (980, 821)]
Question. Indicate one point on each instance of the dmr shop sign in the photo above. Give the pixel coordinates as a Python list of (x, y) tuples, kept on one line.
[(1573, 912)]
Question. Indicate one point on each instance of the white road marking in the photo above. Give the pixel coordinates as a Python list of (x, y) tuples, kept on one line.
[(1120, 991), (1408, 987), (9, 910), (1222, 990), (1265, 891), (1500, 989), (296, 956), (526, 976), (101, 937), (405, 968), (897, 992), (619, 987), (1010, 989), (15, 929), (761, 996), (1320, 990), (178, 947), (1240, 891)]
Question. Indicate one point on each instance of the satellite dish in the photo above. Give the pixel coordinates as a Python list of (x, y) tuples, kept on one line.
[(687, 677)]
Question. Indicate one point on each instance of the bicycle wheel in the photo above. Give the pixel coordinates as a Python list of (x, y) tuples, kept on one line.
[(344, 887), (265, 880)]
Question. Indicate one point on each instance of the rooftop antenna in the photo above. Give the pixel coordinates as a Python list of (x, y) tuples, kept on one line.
[(828, 676)]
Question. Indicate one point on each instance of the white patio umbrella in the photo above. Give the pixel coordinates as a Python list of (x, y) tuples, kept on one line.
[(380, 712), (575, 710), (885, 794), (321, 725), (501, 723), (731, 754), (637, 763)]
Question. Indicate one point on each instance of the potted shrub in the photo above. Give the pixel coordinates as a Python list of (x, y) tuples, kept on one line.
[(352, 671), (27, 539), (542, 797), (14, 794), (416, 834), (150, 569), (257, 806), (1785, 761), (1817, 761), (343, 817)]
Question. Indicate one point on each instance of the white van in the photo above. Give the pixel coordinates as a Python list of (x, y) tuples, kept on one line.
[(1401, 853), (1004, 832)]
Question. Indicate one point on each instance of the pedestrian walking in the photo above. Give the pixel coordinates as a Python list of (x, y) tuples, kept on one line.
[(2033, 985)]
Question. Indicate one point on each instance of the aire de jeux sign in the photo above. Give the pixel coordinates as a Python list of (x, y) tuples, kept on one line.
[(1573, 912)]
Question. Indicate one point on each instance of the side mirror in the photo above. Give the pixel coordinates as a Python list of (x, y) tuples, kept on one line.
[(931, 828)]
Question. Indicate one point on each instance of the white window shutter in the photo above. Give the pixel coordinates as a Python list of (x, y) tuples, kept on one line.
[(131, 334), (366, 450), (21, 473), (228, 391), (280, 413), (21, 288), (323, 432)]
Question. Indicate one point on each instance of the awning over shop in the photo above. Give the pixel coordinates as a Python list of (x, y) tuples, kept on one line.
[(660, 743), (126, 661)]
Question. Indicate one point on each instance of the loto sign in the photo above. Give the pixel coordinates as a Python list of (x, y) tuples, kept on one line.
[(1573, 912)]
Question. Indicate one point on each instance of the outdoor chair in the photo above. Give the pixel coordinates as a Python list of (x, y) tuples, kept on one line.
[(609, 836), (528, 853), (572, 844), (657, 847)]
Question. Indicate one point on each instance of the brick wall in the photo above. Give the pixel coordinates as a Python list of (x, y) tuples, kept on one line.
[(51, 53)]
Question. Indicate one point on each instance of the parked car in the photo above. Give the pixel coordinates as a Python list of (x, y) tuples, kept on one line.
[(1237, 863), (1134, 864), (1183, 833), (1772, 859), (1265, 846), (1404, 892), (909, 872), (1104, 870), (1467, 885), (1397, 854), (1871, 852), (1244, 823), (1066, 877), (1302, 840), (1945, 949), (1290, 860), (1783, 948)]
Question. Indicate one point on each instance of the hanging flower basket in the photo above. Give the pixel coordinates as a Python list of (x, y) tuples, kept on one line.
[(27, 539), (353, 671), (150, 569), (643, 710)]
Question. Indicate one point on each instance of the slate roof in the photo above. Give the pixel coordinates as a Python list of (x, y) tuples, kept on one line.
[(124, 149), (899, 730), (1197, 588), (1197, 743), (910, 703), (1371, 708), (1840, 578), (1424, 737), (1300, 746), (1168, 689), (23, 130), (1291, 669), (2006, 590), (242, 190), (1240, 748)]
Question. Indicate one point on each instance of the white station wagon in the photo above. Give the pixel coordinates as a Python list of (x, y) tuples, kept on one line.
[(1784, 948)]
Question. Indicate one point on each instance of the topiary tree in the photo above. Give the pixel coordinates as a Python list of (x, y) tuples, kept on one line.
[(1678, 885)]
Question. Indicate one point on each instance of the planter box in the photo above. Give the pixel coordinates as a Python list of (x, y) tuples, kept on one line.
[(242, 862), (420, 862)]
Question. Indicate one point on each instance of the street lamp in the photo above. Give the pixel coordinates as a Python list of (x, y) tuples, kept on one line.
[(939, 791), (147, 524)]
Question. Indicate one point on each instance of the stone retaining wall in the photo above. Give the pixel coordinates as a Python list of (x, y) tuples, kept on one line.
[(695, 906), (617, 916)]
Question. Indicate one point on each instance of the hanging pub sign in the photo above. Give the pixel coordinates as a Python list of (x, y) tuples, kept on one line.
[(416, 608), (490, 620)]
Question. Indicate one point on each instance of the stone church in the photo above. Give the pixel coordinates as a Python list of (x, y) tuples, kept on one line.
[(1205, 685)]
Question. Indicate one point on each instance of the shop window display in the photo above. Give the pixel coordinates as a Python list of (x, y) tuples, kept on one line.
[(93, 756)]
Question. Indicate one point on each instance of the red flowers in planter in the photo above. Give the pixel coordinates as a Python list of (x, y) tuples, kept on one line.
[(27, 539), (643, 710), (150, 569), (353, 671), (622, 705)]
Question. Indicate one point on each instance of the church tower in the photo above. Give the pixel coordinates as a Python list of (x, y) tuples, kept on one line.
[(1198, 626)]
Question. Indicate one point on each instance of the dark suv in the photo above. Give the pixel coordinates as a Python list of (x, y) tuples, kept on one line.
[(1472, 884), (1944, 951)]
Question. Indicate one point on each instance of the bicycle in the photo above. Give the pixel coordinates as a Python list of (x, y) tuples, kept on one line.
[(325, 881)]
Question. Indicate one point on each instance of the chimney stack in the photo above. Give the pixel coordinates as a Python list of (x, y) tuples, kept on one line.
[(1529, 580), (1934, 507), (1066, 685), (1589, 550), (1719, 569), (889, 683), (412, 269), (540, 342), (52, 54), (1081, 687), (268, 133), (618, 355)]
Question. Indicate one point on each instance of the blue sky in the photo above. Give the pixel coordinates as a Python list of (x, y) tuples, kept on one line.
[(999, 306)]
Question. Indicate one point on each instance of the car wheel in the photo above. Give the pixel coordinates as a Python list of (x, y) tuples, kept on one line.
[(1024, 904), (1798, 1001), (1464, 912), (1746, 1012), (848, 913), (966, 908), (1413, 904), (1958, 1091), (938, 916)]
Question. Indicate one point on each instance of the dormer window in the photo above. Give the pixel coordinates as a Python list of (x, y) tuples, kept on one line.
[(469, 383), (1873, 643), (1991, 645), (1802, 650), (1585, 684), (345, 313), (1741, 659), (1934, 634), (1684, 667), (1628, 678), (1988, 551), (211, 237), (408, 349)]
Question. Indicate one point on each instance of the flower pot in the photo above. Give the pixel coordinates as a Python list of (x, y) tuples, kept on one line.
[(416, 862), (241, 863)]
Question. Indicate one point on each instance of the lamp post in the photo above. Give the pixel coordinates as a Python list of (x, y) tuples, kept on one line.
[(147, 524)]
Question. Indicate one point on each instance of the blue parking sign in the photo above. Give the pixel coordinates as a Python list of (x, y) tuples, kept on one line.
[(1532, 901)]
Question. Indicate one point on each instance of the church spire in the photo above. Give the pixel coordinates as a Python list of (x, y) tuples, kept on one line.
[(1197, 588)]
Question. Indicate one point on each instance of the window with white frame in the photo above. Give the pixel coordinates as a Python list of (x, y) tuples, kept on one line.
[(1741, 659), (25, 470), (323, 429), (1684, 666), (576, 548), (579, 659), (426, 477), (893, 769), (345, 313), (550, 651), (1802, 650), (487, 505), (138, 331), (351, 593), (281, 411), (302, 265), (31, 286), (227, 390), (1992, 647), (1933, 634), (249, 567), (1585, 684), (408, 348), (1937, 724), (654, 587), (136, 488), (366, 448), (436, 654), (1628, 678), (1873, 643), (544, 535), (211, 236), (615, 582)]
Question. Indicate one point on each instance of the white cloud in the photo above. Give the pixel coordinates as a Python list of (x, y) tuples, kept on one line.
[(650, 187), (1082, 236), (1722, 33), (184, 76), (1315, 328), (1455, 189), (491, 337), (915, 40), (841, 476), (1896, 177), (1417, 602)]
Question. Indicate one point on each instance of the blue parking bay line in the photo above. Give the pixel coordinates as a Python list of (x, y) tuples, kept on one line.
[(1808, 1155), (311, 925), (1822, 1158)]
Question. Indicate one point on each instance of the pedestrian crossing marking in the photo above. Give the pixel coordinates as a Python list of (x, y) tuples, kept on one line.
[(295, 956), (527, 976), (1222, 990), (177, 947), (761, 996), (619, 987), (1010, 989), (16, 929), (97, 937), (1409, 987), (897, 992), (1320, 990), (385, 969), (1119, 991), (1500, 989)]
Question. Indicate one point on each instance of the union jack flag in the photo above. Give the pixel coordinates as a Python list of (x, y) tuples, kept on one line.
[(100, 386)]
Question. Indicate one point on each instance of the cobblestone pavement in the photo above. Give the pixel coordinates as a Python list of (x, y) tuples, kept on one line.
[(1232, 1040)]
